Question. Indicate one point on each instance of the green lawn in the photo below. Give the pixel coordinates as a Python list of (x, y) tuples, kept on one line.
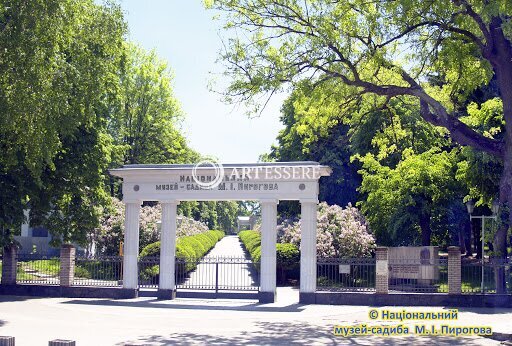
[(38, 269)]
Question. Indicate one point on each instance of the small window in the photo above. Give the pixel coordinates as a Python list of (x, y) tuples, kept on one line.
[(39, 232)]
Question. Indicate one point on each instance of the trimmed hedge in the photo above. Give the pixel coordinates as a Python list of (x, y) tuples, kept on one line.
[(188, 250), (190, 247), (287, 255), (251, 240)]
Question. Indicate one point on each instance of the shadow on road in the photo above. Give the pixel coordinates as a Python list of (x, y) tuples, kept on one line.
[(155, 303), (291, 333)]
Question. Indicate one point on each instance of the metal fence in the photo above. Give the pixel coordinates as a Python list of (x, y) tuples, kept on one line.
[(418, 275), (479, 276), (149, 271), (101, 271), (233, 273), (340, 274), (38, 269), (217, 274)]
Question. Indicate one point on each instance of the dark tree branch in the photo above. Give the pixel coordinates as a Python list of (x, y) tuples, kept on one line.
[(476, 17), (460, 132), (444, 26)]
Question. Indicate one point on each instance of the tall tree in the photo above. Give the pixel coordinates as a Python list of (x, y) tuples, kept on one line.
[(58, 68), (299, 141), (145, 123), (389, 48), (402, 203)]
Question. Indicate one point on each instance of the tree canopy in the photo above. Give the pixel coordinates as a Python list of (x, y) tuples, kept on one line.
[(58, 71), (436, 53), (145, 118), (76, 99)]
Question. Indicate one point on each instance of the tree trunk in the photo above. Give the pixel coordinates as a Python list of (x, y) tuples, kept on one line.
[(500, 57), (426, 231), (504, 220), (467, 231), (462, 243)]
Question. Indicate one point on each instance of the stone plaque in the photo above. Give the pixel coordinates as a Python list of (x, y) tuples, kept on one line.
[(381, 268)]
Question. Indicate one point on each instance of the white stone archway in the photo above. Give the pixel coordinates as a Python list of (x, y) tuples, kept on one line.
[(267, 182)]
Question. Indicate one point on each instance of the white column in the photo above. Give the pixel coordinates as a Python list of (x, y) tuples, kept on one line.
[(131, 244), (168, 249), (268, 250), (308, 246)]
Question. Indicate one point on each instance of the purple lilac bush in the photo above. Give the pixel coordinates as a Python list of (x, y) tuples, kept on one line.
[(341, 233), (111, 231)]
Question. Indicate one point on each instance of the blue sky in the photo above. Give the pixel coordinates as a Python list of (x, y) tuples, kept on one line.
[(184, 33)]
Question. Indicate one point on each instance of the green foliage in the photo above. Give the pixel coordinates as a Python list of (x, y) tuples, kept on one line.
[(400, 202), (371, 58), (98, 270), (58, 65), (217, 215), (188, 250), (303, 139), (68, 201), (190, 247), (146, 114), (251, 241), (287, 255), (54, 49)]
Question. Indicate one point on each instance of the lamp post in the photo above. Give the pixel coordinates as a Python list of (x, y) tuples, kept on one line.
[(470, 205)]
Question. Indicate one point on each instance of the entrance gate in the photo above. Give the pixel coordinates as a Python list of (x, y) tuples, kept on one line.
[(212, 274), (268, 183), (217, 274)]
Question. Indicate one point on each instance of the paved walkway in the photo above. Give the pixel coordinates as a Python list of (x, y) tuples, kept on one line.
[(226, 267), (147, 321), (229, 246)]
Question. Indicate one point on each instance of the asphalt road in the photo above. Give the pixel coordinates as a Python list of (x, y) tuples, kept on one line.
[(146, 321)]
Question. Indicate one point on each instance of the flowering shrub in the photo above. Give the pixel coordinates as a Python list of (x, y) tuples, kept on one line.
[(148, 225), (110, 233), (189, 226), (341, 233)]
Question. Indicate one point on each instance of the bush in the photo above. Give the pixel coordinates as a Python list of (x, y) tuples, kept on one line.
[(151, 250), (188, 250), (287, 255), (98, 270), (341, 233), (110, 233), (190, 247)]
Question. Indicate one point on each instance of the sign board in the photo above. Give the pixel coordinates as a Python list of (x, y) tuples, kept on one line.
[(344, 268), (414, 262), (381, 268)]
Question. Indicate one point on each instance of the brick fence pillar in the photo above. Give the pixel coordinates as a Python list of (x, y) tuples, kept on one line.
[(67, 264), (60, 342), (9, 261), (381, 270), (454, 270), (7, 341)]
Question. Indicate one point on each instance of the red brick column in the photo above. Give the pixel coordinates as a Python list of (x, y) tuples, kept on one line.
[(454, 270), (9, 262), (381, 272), (67, 264)]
